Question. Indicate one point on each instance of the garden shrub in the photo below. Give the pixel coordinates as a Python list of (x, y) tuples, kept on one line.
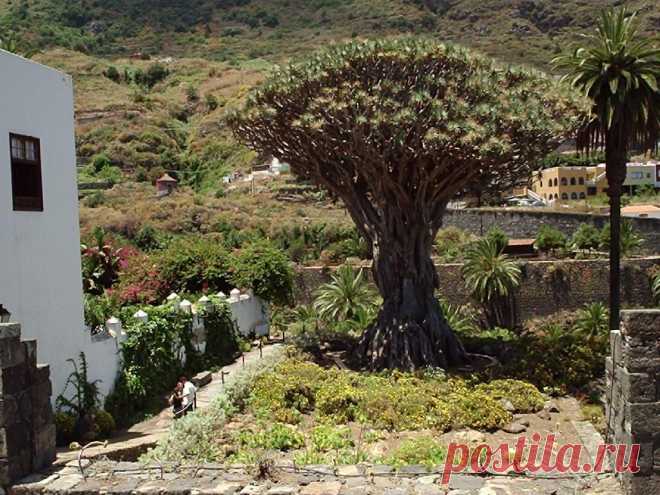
[(418, 451), (586, 237), (142, 282), (327, 437), (151, 360), (104, 424), (278, 436), (65, 424), (195, 264), (338, 399), (549, 239), (222, 340), (525, 397), (450, 243), (497, 235), (395, 402), (265, 269)]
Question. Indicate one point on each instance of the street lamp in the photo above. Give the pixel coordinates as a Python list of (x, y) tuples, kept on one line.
[(4, 314)]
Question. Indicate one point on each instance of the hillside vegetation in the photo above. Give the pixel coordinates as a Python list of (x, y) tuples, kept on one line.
[(155, 79)]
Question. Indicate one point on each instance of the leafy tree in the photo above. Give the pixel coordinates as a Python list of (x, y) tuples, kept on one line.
[(266, 270), (618, 70), (396, 129), (10, 42), (491, 277), (344, 296)]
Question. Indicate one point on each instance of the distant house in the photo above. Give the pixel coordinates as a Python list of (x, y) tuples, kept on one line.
[(574, 183), (165, 185), (40, 275)]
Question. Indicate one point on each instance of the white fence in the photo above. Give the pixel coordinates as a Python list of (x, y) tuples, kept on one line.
[(249, 313)]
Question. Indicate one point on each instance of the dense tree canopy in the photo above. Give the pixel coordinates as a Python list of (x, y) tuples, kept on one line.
[(395, 129)]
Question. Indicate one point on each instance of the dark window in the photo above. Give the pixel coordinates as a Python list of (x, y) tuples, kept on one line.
[(582, 195), (582, 181), (564, 195), (564, 181), (26, 173), (574, 196), (573, 181), (550, 183), (555, 182)]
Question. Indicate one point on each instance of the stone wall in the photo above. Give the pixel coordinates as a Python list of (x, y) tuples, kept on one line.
[(633, 395), (524, 223), (546, 286), (27, 428)]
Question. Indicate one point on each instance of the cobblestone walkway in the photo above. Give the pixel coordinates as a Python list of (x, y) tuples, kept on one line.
[(135, 479), (129, 444)]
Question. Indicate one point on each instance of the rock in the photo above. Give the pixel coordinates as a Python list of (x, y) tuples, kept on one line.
[(252, 490), (282, 490), (507, 405), (514, 428), (350, 470), (322, 488), (427, 480), (470, 436), (523, 420), (223, 488), (545, 415), (551, 406), (202, 378)]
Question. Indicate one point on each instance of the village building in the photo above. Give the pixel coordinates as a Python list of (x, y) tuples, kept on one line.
[(575, 183), (165, 185), (40, 276)]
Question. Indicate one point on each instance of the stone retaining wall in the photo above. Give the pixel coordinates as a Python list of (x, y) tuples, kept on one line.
[(546, 286), (633, 395), (525, 223), (27, 429)]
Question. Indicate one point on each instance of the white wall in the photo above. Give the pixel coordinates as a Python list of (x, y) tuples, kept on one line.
[(40, 280)]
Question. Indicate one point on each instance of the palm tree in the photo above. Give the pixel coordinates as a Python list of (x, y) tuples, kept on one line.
[(592, 321), (619, 71), (345, 297), (491, 276)]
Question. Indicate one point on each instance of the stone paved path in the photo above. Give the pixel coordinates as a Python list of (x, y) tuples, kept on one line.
[(130, 443), (209, 479)]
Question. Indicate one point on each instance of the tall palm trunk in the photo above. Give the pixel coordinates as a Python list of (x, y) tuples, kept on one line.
[(615, 157)]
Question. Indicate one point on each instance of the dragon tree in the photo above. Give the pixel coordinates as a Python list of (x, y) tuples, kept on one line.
[(395, 129)]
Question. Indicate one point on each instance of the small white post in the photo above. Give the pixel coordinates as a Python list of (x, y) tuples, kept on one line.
[(234, 295), (113, 326), (172, 298), (222, 296), (186, 306), (205, 303), (141, 316)]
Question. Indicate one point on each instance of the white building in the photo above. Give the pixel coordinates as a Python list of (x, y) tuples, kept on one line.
[(40, 278)]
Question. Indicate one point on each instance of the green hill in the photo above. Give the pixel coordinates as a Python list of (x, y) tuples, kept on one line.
[(155, 78)]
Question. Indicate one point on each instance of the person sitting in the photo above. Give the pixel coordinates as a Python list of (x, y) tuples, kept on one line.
[(176, 399), (189, 395)]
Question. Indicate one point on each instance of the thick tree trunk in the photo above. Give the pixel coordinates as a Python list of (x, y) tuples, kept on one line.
[(410, 331)]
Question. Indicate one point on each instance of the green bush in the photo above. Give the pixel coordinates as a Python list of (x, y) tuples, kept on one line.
[(195, 264), (326, 437), (65, 424), (278, 436), (630, 239), (525, 397), (549, 239), (418, 451), (104, 424), (266, 270), (451, 242)]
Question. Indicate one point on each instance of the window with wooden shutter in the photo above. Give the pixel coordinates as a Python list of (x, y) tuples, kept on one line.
[(26, 184)]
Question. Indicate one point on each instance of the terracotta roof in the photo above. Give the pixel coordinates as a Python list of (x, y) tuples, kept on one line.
[(166, 178)]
